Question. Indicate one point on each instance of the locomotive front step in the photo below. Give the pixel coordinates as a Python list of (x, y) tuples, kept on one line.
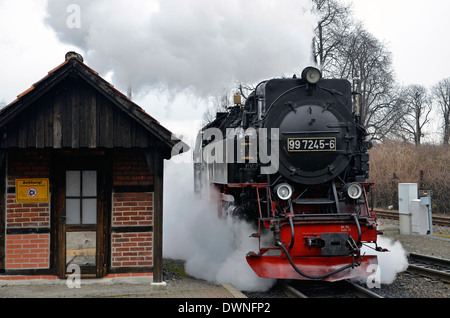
[(316, 268)]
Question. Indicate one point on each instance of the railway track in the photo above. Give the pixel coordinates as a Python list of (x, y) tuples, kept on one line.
[(432, 267), (437, 220), (344, 289), (419, 265)]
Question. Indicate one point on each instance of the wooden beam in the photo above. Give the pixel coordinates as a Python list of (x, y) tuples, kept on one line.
[(2, 208), (57, 122), (155, 163)]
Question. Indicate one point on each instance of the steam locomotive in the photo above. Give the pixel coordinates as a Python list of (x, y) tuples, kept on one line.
[(294, 161)]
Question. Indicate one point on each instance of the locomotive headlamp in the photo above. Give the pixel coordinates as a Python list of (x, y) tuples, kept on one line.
[(284, 191), (312, 75), (353, 190)]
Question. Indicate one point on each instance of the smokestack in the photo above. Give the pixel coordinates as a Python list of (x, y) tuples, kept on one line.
[(130, 91), (72, 54)]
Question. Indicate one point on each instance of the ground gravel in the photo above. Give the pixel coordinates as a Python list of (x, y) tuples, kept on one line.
[(437, 245), (409, 285), (177, 283)]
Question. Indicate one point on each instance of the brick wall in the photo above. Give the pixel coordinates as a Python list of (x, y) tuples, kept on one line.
[(28, 251), (131, 249), (27, 164), (131, 169), (132, 209), (26, 215)]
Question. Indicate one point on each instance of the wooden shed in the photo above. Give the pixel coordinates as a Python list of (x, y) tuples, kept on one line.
[(81, 180)]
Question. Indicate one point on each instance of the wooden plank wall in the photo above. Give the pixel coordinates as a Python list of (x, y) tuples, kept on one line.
[(2, 210), (75, 115)]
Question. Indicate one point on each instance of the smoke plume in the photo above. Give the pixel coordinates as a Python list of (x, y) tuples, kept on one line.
[(390, 263), (214, 249), (187, 45)]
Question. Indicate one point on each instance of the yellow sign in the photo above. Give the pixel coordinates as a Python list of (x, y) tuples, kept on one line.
[(32, 190)]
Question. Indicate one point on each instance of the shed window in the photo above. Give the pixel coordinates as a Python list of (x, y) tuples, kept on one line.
[(81, 197)]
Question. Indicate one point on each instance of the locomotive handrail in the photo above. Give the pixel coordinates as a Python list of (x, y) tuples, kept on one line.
[(291, 224), (358, 243), (345, 217), (281, 95), (313, 201), (310, 132)]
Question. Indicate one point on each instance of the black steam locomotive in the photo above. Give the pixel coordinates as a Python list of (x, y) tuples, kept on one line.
[(294, 161)]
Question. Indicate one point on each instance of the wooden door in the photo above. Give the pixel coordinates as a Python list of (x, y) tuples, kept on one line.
[(80, 218)]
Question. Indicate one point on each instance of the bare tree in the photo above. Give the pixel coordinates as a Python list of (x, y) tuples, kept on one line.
[(221, 104), (366, 60), (218, 104), (345, 49), (334, 24), (417, 108), (441, 96), (244, 89)]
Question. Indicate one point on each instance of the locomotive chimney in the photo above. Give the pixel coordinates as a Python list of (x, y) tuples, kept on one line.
[(357, 95), (130, 91), (72, 54)]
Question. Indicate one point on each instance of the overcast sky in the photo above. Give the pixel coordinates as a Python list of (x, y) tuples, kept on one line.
[(417, 34), (177, 52)]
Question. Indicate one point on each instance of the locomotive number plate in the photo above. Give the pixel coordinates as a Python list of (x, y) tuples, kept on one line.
[(311, 144)]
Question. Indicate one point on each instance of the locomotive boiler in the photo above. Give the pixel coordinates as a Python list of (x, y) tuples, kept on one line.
[(293, 160)]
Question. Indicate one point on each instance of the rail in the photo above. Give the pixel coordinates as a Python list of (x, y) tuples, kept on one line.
[(343, 289), (437, 220), (432, 267)]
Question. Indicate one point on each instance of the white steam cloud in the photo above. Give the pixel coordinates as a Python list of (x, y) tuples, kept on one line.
[(214, 249), (390, 263), (187, 45)]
